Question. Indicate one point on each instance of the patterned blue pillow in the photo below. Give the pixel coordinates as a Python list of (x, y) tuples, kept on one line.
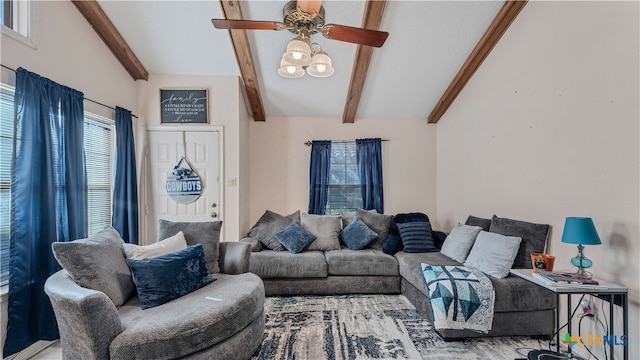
[(167, 277), (357, 234), (295, 238), (417, 237)]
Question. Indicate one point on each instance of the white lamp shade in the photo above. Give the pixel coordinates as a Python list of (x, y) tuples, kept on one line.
[(298, 53), (290, 71), (320, 65)]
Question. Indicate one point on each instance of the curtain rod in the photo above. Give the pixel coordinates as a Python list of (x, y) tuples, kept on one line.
[(86, 98), (308, 143)]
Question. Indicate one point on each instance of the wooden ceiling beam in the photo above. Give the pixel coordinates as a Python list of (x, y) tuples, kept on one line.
[(496, 29), (99, 21), (231, 10), (370, 20)]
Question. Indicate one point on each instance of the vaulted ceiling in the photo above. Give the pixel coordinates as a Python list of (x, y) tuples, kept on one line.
[(433, 49)]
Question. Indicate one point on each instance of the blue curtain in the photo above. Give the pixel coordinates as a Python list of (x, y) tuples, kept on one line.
[(125, 189), (319, 176), (369, 156), (48, 200)]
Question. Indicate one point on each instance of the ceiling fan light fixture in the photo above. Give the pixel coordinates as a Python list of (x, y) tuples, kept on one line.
[(290, 71), (298, 52), (320, 65)]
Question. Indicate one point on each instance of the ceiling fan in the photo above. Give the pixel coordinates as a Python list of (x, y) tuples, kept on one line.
[(306, 17)]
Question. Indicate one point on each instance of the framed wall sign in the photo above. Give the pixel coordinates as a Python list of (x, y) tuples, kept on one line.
[(184, 106)]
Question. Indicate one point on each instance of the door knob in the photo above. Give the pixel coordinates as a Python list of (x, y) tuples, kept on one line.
[(214, 214)]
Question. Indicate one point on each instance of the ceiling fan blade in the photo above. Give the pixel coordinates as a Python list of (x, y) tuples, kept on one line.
[(309, 6), (355, 35), (247, 24)]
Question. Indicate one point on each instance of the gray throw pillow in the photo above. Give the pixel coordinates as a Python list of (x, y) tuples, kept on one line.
[(98, 263), (493, 254), (326, 229), (295, 238), (349, 216), (485, 224), (206, 233), (357, 235), (459, 242), (379, 223), (534, 238), (269, 224)]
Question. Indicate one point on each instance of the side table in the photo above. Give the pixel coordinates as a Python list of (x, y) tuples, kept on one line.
[(613, 293)]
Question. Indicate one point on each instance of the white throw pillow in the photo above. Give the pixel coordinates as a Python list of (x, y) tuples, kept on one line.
[(166, 246), (459, 242), (493, 254)]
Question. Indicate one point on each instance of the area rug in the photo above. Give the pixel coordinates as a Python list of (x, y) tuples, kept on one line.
[(368, 327)]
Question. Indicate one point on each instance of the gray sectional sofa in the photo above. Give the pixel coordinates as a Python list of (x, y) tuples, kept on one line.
[(521, 308)]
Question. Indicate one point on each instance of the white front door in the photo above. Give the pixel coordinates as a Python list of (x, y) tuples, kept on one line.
[(165, 150)]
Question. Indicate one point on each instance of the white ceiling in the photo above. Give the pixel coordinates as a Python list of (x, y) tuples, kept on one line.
[(428, 42)]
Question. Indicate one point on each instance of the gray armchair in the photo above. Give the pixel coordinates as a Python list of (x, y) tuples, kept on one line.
[(224, 319)]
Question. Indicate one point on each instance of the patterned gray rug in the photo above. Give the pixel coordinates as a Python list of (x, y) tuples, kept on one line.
[(368, 327)]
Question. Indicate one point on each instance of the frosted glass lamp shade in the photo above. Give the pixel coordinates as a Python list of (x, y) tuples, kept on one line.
[(298, 53), (289, 71), (320, 65)]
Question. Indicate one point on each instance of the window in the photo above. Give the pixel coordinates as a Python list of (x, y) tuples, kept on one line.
[(7, 13), (99, 140), (344, 192), (15, 18), (6, 149), (99, 136)]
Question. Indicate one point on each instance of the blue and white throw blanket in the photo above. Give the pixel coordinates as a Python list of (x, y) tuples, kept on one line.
[(461, 297)]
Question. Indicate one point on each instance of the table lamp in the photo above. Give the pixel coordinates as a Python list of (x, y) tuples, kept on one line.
[(581, 231)]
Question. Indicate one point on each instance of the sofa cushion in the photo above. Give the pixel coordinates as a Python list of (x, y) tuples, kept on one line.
[(534, 238), (512, 293), (416, 237), (485, 224), (190, 323), (409, 266), (357, 235), (295, 238), (166, 246), (460, 241), (206, 233), (283, 264), (493, 254), (379, 223), (365, 262), (167, 277), (98, 263), (269, 224), (326, 229)]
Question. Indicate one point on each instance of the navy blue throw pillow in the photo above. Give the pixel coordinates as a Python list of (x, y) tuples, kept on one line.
[(167, 277), (416, 237), (357, 235), (295, 238)]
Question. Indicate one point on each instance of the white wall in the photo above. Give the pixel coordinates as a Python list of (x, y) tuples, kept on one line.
[(224, 110), (549, 128), (69, 52), (280, 162)]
